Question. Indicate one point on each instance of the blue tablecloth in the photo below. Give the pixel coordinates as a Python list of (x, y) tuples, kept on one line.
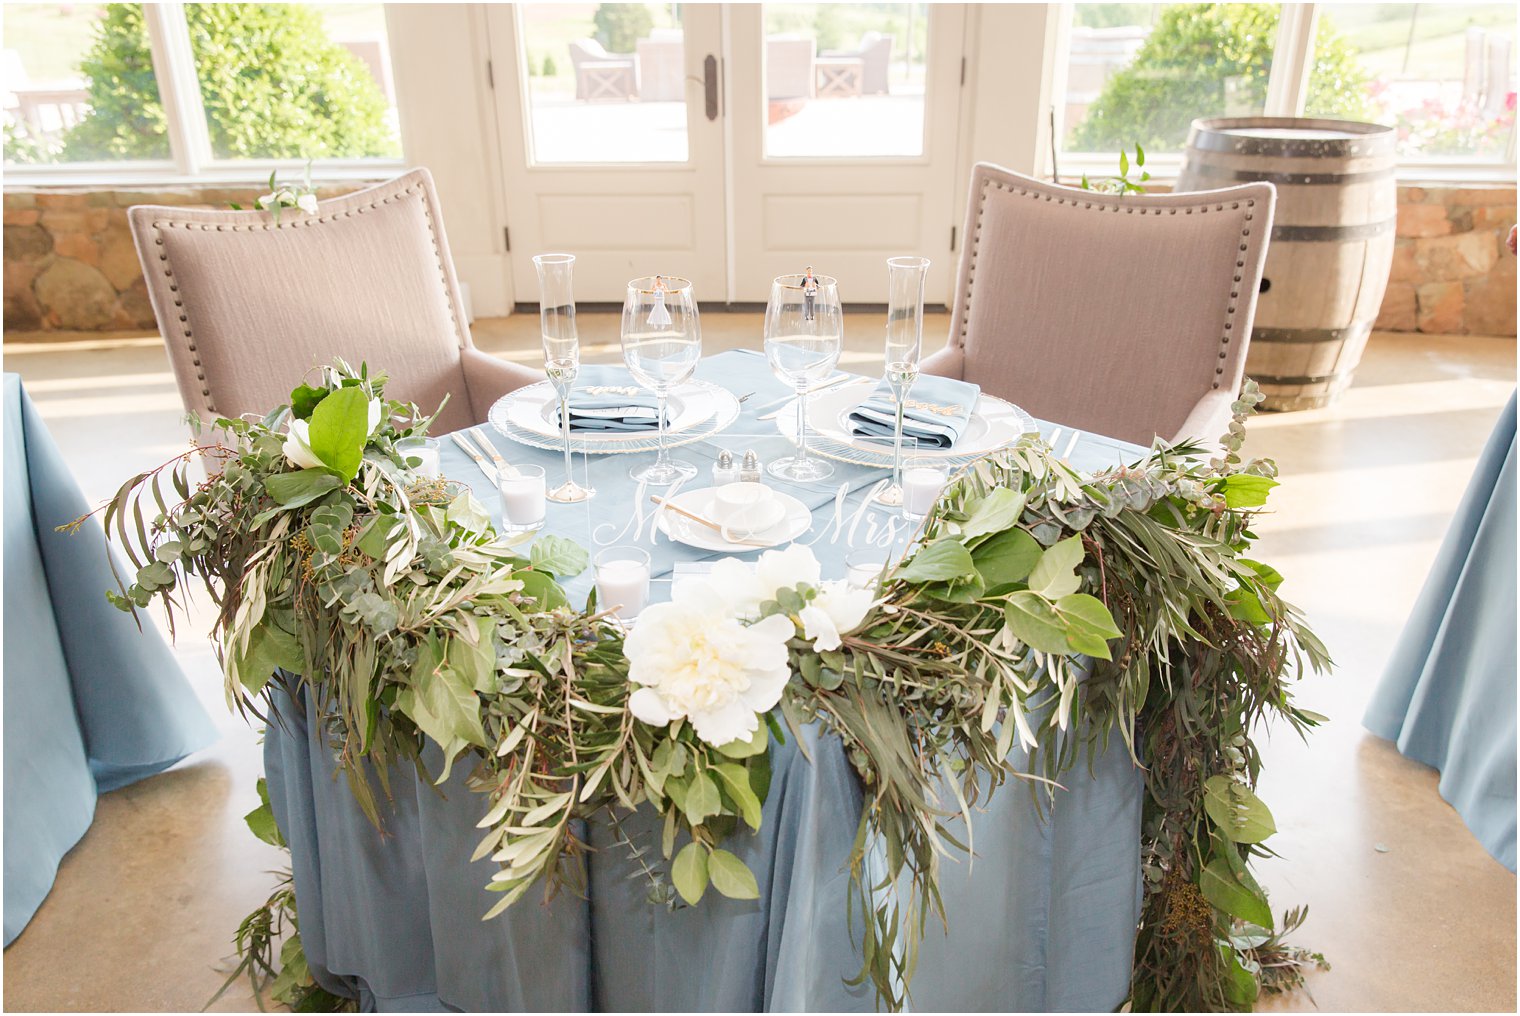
[(91, 702), (1044, 920), (1448, 696)]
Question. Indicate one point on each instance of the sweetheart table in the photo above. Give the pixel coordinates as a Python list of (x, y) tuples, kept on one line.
[(1043, 918)]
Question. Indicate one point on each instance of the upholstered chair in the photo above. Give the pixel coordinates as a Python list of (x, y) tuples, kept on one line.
[(247, 305), (1127, 316)]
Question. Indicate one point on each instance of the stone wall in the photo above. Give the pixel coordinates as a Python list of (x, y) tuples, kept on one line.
[(70, 264), (69, 260), (1451, 272)]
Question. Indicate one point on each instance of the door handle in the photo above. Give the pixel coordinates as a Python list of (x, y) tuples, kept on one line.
[(710, 85)]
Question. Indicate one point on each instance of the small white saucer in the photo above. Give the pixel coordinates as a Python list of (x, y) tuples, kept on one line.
[(797, 520)]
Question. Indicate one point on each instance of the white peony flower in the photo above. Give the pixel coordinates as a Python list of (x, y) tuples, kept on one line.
[(307, 203), (783, 569), (836, 609), (297, 446), (742, 587), (694, 660)]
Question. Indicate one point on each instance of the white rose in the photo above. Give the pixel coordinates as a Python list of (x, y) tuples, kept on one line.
[(693, 659), (836, 609), (297, 446), (307, 203)]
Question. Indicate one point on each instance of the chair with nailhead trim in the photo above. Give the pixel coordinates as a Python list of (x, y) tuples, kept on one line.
[(1127, 315), (247, 306)]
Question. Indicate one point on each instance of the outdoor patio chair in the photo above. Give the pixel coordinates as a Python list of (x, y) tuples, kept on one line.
[(789, 67), (247, 306), (603, 75), (875, 55), (1122, 315)]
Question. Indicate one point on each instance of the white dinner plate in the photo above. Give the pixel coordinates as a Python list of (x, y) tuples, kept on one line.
[(530, 416), (994, 423), (797, 520)]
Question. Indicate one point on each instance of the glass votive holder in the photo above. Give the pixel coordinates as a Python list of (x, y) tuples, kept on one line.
[(863, 568), (923, 481), (524, 493), (622, 581), (423, 455)]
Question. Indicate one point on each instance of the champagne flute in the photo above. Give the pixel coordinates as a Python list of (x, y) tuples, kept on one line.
[(662, 342), (905, 336), (562, 353), (804, 331)]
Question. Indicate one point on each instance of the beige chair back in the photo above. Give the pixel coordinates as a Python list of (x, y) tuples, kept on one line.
[(248, 306), (1121, 315)]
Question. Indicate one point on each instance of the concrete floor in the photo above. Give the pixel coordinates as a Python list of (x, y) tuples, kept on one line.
[(1411, 911)]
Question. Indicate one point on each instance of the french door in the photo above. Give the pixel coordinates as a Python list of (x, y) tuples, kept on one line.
[(620, 168), (730, 143)]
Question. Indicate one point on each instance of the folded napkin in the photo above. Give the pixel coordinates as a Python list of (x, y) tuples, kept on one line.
[(608, 398), (936, 411)]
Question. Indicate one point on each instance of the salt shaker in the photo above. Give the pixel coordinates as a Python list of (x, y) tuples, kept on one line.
[(724, 470), (749, 470)]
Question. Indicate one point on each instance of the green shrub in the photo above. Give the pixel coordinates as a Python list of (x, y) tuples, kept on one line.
[(1182, 69), (272, 83), (619, 27), (551, 69)]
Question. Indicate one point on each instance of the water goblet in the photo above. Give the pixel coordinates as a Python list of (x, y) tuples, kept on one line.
[(662, 342), (804, 332)]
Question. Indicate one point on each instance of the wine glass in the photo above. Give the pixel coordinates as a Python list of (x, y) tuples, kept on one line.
[(562, 353), (804, 330), (905, 336), (662, 342)]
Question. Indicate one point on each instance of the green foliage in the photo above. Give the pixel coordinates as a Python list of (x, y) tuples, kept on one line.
[(1121, 184), (619, 27), (1041, 607), (551, 69), (1209, 60), (272, 83)]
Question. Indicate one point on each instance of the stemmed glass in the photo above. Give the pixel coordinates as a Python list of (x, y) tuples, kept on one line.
[(905, 335), (804, 330), (562, 353), (662, 342)]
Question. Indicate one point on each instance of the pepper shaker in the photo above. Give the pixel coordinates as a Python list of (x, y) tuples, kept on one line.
[(749, 470), (724, 470)]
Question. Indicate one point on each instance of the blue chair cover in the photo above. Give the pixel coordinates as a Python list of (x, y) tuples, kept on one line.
[(1448, 696), (91, 702)]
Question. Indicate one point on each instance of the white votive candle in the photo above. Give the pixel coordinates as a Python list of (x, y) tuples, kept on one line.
[(921, 488), (622, 581), (864, 567), (522, 498), (423, 456)]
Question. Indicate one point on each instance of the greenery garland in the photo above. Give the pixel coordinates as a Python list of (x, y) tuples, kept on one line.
[(1037, 600)]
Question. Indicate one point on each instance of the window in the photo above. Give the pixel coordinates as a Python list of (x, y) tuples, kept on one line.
[(845, 80), (605, 84), (1443, 74), (153, 90)]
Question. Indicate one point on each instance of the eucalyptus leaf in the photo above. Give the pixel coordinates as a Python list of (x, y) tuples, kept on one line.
[(293, 490), (1236, 812)]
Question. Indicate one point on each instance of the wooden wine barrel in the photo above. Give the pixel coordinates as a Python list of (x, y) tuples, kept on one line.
[(1332, 242)]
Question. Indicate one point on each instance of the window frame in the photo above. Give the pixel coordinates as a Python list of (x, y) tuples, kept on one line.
[(1287, 92), (191, 160)]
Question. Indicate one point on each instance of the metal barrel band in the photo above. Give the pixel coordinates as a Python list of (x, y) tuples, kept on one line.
[(1290, 179), (1311, 336), (1324, 234)]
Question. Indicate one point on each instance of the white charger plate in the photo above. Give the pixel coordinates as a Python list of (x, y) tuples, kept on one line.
[(530, 416), (994, 423), (797, 520)]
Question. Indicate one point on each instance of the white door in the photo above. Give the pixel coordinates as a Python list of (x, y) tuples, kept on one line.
[(614, 154), (844, 137)]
